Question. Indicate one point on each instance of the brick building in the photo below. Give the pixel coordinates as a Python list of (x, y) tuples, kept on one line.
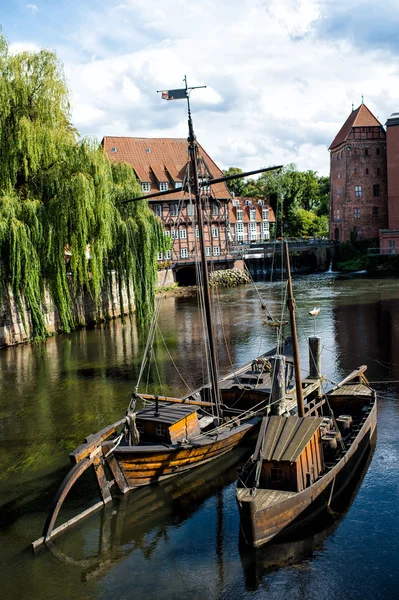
[(250, 220), (389, 238), (161, 164), (358, 178)]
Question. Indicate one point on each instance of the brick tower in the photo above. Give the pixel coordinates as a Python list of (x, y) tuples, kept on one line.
[(358, 178)]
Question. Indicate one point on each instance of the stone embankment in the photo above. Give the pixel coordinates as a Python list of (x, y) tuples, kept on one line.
[(229, 278)]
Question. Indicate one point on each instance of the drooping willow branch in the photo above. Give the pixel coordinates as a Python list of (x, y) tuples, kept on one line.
[(62, 197)]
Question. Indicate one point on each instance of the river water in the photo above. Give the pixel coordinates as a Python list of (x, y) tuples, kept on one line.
[(181, 539)]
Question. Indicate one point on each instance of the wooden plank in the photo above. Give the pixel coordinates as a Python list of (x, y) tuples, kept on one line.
[(94, 440), (103, 484), (117, 474), (174, 400), (40, 542)]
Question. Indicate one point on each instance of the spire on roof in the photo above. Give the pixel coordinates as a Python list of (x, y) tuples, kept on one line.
[(360, 117), (362, 98), (353, 107)]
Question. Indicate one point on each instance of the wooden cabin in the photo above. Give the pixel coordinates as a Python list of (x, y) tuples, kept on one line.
[(167, 423), (292, 453)]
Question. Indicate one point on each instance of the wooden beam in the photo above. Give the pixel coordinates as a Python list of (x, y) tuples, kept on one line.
[(94, 440), (174, 400)]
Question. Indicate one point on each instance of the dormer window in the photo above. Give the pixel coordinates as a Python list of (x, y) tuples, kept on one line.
[(163, 187), (260, 202), (113, 149), (248, 202), (178, 185), (236, 203), (146, 186)]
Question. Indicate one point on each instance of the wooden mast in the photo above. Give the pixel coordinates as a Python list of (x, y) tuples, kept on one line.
[(200, 205), (295, 351)]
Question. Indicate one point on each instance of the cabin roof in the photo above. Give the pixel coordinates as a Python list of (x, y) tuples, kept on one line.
[(287, 437), (352, 389), (167, 413)]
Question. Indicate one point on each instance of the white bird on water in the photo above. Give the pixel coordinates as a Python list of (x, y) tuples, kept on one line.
[(313, 313)]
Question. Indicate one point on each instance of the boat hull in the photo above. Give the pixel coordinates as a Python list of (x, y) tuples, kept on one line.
[(260, 524), (143, 465)]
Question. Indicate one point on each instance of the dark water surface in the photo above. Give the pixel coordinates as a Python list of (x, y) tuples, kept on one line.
[(181, 539)]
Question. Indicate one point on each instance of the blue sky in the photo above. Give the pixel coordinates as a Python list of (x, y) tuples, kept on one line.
[(281, 74)]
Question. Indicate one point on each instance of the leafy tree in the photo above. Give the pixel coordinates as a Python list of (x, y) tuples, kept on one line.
[(57, 193), (236, 186)]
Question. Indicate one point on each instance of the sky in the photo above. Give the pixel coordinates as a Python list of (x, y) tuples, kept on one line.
[(281, 75)]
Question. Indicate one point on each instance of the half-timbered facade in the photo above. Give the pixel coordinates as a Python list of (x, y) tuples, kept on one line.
[(251, 220), (161, 164)]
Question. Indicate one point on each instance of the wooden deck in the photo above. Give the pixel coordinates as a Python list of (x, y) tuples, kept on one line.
[(264, 498)]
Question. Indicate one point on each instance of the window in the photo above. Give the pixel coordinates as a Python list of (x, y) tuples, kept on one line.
[(248, 202), (183, 234), (159, 256), (252, 231), (146, 186), (356, 213), (337, 213), (168, 255), (236, 203), (178, 185), (378, 171), (276, 475), (338, 192), (160, 429), (366, 152), (265, 231), (183, 253), (157, 208), (140, 428), (339, 175), (163, 186), (355, 171), (239, 214), (173, 209), (392, 246), (215, 232), (377, 150), (215, 209), (377, 190), (367, 171), (358, 191), (253, 214), (216, 251), (196, 232), (174, 234), (113, 149), (376, 211), (265, 214), (167, 233), (260, 202), (190, 209), (208, 250), (240, 232)]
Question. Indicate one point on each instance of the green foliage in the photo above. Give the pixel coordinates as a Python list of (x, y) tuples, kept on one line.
[(305, 223), (236, 186), (289, 191), (58, 195)]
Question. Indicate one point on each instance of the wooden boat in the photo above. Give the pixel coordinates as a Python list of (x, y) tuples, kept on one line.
[(167, 436), (302, 462)]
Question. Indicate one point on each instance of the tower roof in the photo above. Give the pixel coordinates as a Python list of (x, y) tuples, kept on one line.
[(361, 117)]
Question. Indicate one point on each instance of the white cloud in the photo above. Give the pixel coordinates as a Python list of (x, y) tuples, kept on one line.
[(32, 7), (277, 92)]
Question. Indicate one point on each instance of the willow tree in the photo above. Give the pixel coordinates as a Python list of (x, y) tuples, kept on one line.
[(59, 195)]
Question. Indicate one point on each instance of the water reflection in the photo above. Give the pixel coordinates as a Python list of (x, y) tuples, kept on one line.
[(182, 539)]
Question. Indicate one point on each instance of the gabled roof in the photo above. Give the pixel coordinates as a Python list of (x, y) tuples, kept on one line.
[(361, 117), (246, 214), (161, 159), (287, 437)]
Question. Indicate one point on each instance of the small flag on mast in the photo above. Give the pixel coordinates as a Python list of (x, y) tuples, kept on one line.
[(174, 94)]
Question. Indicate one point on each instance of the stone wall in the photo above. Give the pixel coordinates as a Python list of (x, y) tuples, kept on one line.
[(12, 330)]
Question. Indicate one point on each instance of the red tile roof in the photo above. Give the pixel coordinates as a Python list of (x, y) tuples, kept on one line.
[(153, 158), (361, 117), (246, 214)]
